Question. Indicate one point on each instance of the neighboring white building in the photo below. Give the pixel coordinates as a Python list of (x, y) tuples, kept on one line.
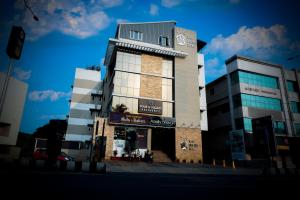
[(202, 91), (85, 105), (11, 115)]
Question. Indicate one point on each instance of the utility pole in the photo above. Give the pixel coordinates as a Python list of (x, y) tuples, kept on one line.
[(102, 140), (92, 142)]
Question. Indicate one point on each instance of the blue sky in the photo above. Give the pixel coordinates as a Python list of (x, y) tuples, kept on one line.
[(74, 34)]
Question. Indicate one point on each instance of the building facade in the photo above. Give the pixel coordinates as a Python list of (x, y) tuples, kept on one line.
[(253, 89), (85, 105), (11, 115), (155, 70)]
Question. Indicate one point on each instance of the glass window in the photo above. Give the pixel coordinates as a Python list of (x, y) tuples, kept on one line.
[(244, 123), (292, 86), (254, 79), (128, 62), (257, 102), (136, 35), (279, 128), (167, 68), (248, 124), (297, 129), (167, 109), (164, 41), (167, 93), (295, 107), (127, 84)]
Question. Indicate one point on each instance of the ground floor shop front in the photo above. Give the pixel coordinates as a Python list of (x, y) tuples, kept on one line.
[(124, 141)]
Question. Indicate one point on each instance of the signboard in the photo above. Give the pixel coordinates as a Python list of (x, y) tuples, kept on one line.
[(140, 120), (150, 106), (185, 40), (237, 142), (257, 90), (181, 40), (264, 137)]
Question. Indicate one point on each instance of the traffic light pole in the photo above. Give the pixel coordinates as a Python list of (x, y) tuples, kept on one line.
[(5, 85)]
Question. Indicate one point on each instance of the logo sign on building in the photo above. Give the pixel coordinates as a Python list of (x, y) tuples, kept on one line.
[(140, 120), (237, 144), (257, 90), (150, 106), (263, 136), (181, 40), (185, 40)]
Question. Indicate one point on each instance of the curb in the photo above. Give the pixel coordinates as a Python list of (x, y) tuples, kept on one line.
[(64, 166)]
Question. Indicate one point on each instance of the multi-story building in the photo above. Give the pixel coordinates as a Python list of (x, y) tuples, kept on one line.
[(85, 105), (252, 89), (155, 70), (11, 115)]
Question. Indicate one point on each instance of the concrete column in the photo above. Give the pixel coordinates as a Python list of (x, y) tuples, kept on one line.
[(149, 139)]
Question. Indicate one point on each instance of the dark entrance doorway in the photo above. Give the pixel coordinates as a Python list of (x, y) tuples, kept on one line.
[(163, 139)]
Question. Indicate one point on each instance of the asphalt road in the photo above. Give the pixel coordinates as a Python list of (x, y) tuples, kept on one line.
[(58, 185)]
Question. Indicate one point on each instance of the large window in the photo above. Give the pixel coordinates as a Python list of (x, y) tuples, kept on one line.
[(279, 128), (136, 35), (257, 102), (254, 79), (295, 107), (167, 68), (292, 86), (128, 62), (167, 89), (129, 140), (164, 41), (131, 103), (127, 84), (244, 123), (297, 129), (167, 109)]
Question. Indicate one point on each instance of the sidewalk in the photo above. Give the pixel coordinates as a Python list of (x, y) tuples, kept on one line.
[(175, 168)]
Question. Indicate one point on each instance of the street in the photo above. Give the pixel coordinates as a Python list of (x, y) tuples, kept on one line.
[(39, 184)]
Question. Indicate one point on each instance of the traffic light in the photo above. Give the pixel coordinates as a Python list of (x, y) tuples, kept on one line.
[(15, 42)]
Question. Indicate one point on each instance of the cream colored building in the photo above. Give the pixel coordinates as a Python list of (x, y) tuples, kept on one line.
[(156, 70), (11, 115)]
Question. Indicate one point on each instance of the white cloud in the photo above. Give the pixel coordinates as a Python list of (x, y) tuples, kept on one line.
[(110, 3), (258, 41), (153, 10), (214, 72), (77, 18), (22, 74), (47, 94), (53, 117), (212, 62), (170, 3)]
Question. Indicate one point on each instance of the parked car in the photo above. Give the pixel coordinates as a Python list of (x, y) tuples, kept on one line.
[(41, 154)]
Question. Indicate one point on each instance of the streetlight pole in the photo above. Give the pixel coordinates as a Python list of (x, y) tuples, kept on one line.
[(29, 8)]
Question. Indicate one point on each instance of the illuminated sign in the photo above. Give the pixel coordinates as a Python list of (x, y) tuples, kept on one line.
[(150, 106), (140, 120)]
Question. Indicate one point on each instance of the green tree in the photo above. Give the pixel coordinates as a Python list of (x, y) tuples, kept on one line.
[(121, 108)]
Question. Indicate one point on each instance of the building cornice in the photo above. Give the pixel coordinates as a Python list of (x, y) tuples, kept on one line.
[(239, 57), (140, 46)]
